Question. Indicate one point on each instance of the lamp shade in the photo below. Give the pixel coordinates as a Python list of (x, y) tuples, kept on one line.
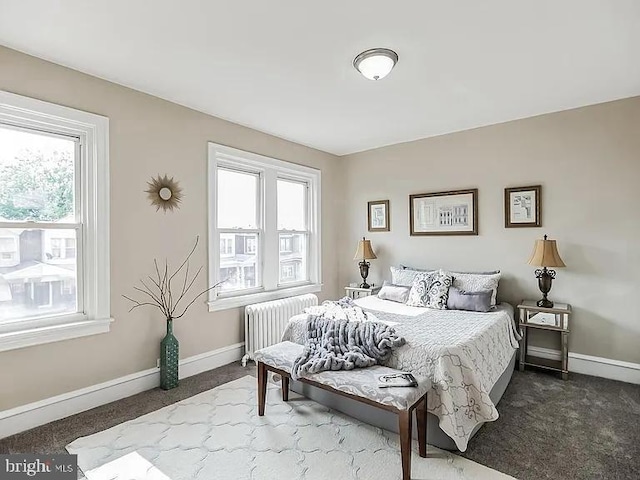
[(545, 254), (364, 251)]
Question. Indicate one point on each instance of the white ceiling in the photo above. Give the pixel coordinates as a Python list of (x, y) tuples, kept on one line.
[(284, 66)]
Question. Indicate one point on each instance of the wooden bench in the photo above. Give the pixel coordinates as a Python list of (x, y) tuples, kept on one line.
[(359, 384)]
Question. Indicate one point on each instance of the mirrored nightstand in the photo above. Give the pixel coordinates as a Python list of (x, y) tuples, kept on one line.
[(554, 319)]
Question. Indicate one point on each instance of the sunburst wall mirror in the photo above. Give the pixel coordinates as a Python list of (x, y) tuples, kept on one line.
[(164, 193)]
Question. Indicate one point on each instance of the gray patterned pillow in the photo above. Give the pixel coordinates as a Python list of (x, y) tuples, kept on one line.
[(430, 289), (419, 294)]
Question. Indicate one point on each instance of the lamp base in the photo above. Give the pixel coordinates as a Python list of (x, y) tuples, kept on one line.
[(364, 273), (545, 303), (545, 278)]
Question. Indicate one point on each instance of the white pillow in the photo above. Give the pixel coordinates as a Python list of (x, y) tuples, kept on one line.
[(477, 282), (394, 293)]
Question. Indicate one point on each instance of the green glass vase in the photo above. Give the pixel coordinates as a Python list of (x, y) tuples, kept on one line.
[(169, 356)]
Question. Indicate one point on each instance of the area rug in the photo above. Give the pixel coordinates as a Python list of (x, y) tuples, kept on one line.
[(130, 467), (217, 435)]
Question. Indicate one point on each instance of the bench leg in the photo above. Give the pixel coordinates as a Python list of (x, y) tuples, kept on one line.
[(421, 417), (285, 388), (262, 387), (404, 420)]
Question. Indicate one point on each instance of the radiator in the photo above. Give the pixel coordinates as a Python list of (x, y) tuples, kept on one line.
[(264, 323)]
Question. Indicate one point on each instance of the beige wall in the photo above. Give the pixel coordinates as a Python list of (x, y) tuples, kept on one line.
[(148, 136), (588, 162)]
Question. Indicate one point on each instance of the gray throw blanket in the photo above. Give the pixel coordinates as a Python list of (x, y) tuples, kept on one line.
[(344, 345)]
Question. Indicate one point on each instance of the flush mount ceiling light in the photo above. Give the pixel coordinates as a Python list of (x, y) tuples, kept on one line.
[(376, 63)]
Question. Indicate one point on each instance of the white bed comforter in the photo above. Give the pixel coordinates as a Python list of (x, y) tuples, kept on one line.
[(463, 353)]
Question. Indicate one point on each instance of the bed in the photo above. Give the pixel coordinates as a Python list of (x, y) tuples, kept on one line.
[(469, 357)]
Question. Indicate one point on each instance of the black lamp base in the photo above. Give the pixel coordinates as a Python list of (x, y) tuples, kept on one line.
[(364, 273), (545, 278), (545, 303)]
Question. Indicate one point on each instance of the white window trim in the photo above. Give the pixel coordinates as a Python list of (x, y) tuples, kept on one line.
[(93, 131), (221, 155)]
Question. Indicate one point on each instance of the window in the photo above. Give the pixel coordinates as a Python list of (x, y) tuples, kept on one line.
[(237, 208), (269, 211), (285, 244), (8, 250), (54, 263), (293, 230), (59, 246), (55, 248), (250, 245), (226, 245), (69, 248), (287, 272)]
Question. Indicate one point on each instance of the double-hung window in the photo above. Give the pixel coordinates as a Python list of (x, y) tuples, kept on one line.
[(264, 228), (238, 224), (54, 243), (293, 230)]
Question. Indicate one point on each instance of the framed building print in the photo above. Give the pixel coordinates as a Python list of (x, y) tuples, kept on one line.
[(444, 213), (378, 216), (522, 207)]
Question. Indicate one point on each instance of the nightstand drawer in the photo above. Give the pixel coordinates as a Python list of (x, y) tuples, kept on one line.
[(556, 318), (358, 292)]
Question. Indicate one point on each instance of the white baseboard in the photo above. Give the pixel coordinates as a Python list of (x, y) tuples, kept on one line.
[(596, 366), (34, 414)]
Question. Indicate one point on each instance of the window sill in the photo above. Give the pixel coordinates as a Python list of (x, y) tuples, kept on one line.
[(243, 300), (13, 335)]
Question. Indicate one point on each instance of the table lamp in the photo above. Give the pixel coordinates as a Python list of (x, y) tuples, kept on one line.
[(364, 253), (545, 254)]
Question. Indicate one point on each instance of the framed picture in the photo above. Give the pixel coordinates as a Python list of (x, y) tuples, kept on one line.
[(522, 207), (378, 216), (444, 213)]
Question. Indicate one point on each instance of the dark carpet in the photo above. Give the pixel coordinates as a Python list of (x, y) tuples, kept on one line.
[(583, 428)]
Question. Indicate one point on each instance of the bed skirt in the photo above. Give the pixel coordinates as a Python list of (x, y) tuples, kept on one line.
[(389, 421)]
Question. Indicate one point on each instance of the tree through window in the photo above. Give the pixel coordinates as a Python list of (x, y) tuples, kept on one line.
[(39, 224)]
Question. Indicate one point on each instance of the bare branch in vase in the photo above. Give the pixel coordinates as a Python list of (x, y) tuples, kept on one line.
[(162, 296)]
